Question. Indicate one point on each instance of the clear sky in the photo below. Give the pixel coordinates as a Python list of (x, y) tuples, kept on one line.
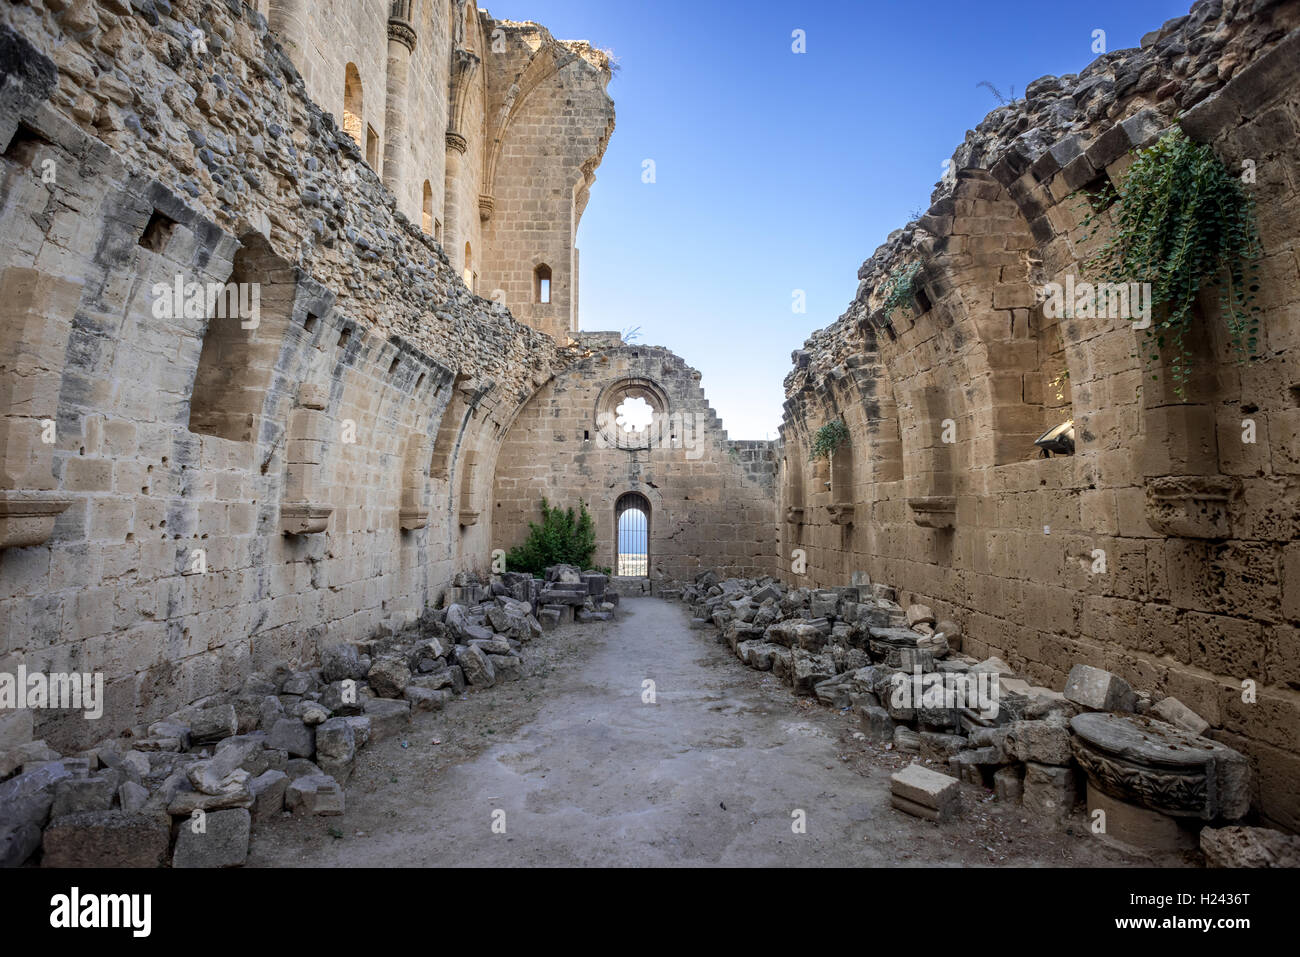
[(778, 171)]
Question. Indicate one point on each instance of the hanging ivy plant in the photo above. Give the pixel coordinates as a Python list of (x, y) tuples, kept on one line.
[(1182, 221), (899, 287), (828, 438)]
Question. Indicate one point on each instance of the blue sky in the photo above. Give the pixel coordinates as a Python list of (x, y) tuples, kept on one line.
[(779, 171)]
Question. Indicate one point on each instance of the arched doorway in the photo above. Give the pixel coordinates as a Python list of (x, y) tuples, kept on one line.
[(632, 543)]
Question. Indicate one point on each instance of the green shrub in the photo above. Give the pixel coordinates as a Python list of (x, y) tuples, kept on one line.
[(562, 538), (900, 288), (829, 438), (1182, 222)]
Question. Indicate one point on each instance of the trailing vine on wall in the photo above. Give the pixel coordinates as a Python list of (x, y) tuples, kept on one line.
[(899, 287), (1182, 221), (828, 438)]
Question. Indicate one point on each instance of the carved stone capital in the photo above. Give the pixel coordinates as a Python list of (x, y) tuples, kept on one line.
[(468, 518), (841, 513), (1160, 767), (486, 204), (1191, 506), (456, 142), (794, 514), (403, 33), (414, 518), (304, 518), (27, 516), (934, 511)]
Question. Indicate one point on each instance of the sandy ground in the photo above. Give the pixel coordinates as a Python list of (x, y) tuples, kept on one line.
[(587, 773)]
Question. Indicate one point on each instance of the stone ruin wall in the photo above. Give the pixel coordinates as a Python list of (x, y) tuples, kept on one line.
[(711, 499), (1199, 593), (191, 433), (503, 122)]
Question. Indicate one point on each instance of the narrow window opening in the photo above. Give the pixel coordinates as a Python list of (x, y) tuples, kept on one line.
[(22, 147), (428, 222), (310, 322), (344, 336), (632, 520), (352, 104), (542, 284), (157, 232), (372, 148)]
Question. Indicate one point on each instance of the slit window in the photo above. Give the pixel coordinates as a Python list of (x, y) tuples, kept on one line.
[(157, 232), (542, 284)]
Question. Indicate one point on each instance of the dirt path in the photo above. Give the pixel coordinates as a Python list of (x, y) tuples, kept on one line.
[(588, 774)]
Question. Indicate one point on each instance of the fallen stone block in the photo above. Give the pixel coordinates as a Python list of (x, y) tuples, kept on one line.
[(268, 790), (1009, 784), (1050, 791), (919, 615), (107, 839), (1044, 742), (342, 661), (317, 794), (360, 728), (171, 729), (1179, 715), (387, 717), (924, 793), (905, 739), (994, 666), (427, 699), (807, 670), (291, 735), (27, 798), (222, 842), (876, 723), (507, 667), (184, 803), (311, 713), (1249, 847), (336, 748), (19, 840), (1099, 690), (132, 796), (72, 795), (208, 725), (936, 744), (476, 665)]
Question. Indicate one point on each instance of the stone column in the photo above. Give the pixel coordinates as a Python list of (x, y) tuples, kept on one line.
[(288, 21), (464, 67), (401, 43)]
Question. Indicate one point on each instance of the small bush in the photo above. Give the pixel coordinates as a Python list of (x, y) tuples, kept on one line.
[(562, 538)]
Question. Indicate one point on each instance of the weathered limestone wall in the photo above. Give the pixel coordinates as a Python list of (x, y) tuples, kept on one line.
[(218, 493), (502, 122), (1200, 588), (552, 127), (710, 499)]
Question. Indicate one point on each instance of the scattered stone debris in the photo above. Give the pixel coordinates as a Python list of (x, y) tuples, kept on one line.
[(924, 793), (1249, 847), (901, 672), (192, 788)]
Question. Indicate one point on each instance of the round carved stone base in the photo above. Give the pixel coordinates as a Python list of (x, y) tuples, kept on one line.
[(1160, 767), (1133, 828)]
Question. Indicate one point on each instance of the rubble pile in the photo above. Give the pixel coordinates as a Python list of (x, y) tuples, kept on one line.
[(190, 789), (902, 673)]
